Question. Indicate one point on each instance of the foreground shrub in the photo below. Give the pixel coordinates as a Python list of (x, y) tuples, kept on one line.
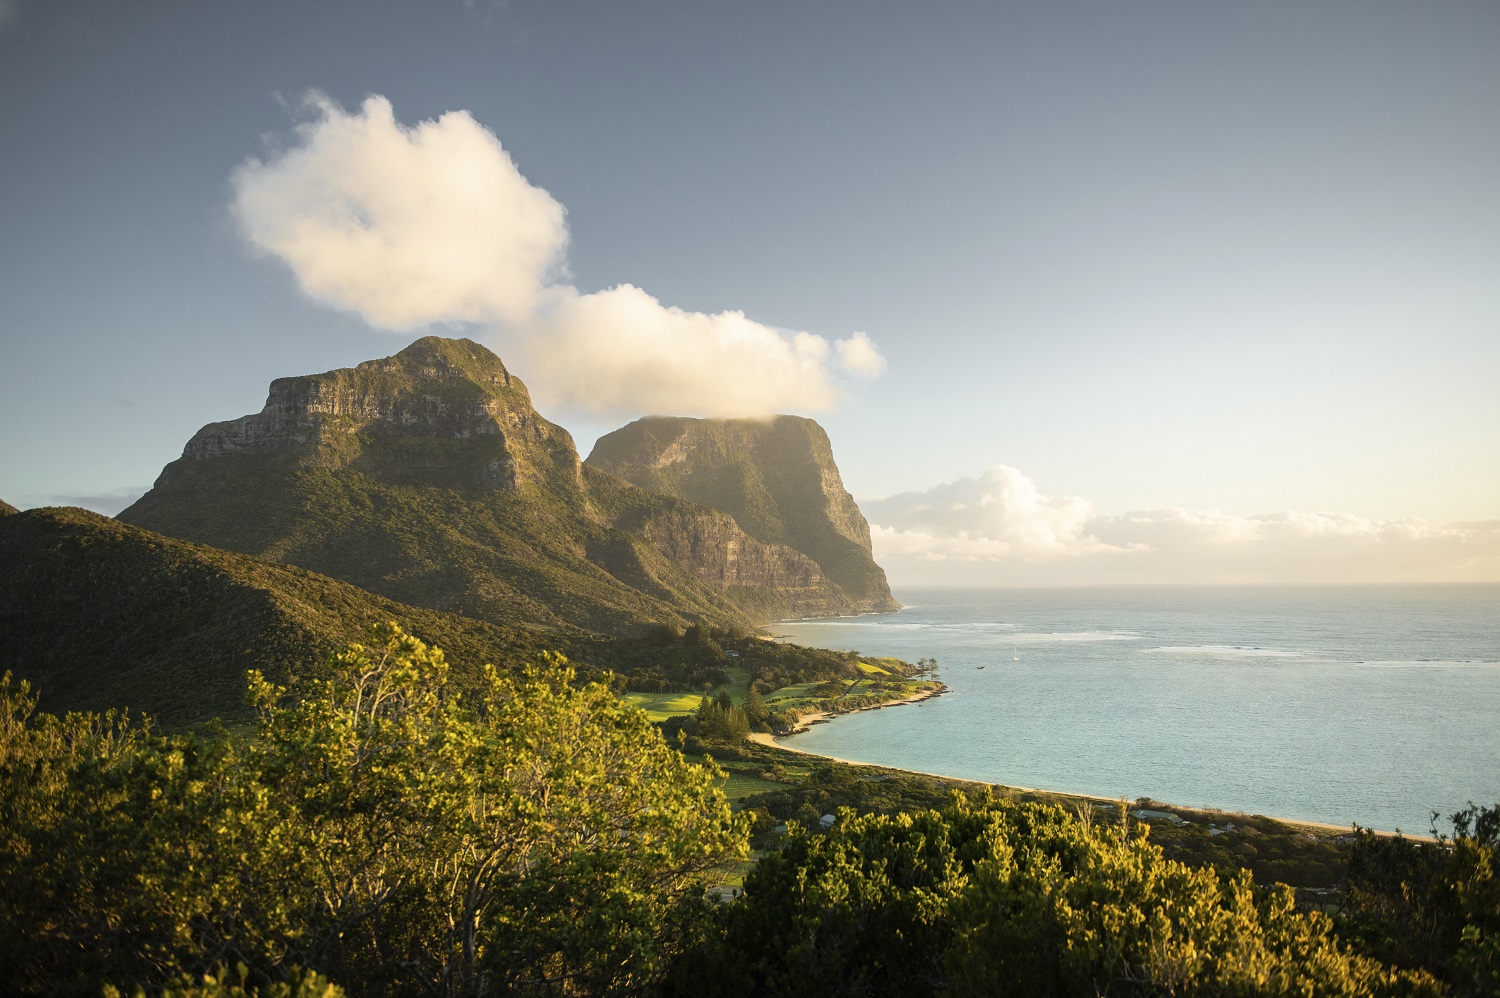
[(1009, 898), (1434, 905), (538, 836)]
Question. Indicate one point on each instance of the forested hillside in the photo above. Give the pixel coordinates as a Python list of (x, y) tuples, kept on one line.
[(99, 614)]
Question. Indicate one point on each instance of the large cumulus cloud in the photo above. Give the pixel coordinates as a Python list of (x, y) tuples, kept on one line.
[(434, 223)]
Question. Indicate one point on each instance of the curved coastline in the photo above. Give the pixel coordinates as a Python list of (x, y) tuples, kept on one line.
[(961, 625), (779, 741)]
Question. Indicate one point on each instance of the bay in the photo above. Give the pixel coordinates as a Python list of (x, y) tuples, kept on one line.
[(1368, 704)]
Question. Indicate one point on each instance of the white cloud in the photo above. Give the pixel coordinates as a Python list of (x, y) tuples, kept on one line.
[(405, 226), (622, 350), (1000, 514), (998, 529), (859, 356), (408, 226)]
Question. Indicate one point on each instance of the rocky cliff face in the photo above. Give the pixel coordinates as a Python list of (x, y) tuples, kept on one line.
[(435, 389), (716, 550), (776, 477), (429, 477)]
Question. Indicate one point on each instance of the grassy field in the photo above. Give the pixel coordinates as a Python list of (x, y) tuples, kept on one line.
[(660, 706), (743, 782)]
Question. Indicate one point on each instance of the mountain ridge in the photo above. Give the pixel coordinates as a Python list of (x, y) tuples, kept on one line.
[(775, 476), (428, 477)]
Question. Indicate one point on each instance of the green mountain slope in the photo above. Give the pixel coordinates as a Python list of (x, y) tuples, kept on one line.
[(428, 477), (99, 614), (776, 477)]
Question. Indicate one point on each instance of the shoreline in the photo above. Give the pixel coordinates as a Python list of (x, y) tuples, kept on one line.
[(806, 721), (775, 741)]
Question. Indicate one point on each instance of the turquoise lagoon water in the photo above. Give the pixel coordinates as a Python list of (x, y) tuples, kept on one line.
[(1371, 704)]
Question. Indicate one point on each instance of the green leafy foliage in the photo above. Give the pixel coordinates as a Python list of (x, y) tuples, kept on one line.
[(533, 835), (1433, 905), (237, 984), (720, 720), (998, 897), (1272, 851), (663, 661)]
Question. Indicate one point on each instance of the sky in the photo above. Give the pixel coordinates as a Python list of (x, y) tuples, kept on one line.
[(1084, 292)]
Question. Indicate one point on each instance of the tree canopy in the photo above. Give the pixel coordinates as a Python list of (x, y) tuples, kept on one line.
[(536, 836), (997, 897)]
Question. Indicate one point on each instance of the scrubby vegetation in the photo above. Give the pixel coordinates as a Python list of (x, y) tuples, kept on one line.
[(1434, 906), (998, 897), (532, 836), (665, 659)]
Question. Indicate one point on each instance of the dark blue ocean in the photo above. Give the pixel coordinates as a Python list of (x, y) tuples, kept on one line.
[(1368, 704)]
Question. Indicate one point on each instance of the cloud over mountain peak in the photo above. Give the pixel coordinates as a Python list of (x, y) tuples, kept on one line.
[(407, 226)]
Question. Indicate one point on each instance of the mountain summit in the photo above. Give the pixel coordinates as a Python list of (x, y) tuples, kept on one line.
[(776, 477), (428, 477)]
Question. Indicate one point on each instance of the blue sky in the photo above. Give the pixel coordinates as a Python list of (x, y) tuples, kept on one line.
[(1236, 261)]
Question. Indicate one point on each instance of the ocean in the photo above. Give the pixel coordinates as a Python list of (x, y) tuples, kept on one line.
[(1368, 704)]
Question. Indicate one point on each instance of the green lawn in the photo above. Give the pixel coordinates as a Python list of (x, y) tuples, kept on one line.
[(660, 706), (743, 784), (872, 670), (796, 692)]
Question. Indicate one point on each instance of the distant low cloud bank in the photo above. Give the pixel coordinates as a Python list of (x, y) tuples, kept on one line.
[(407, 226), (998, 529)]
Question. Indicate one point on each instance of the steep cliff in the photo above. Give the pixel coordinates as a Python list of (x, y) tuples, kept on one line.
[(429, 477), (776, 477)]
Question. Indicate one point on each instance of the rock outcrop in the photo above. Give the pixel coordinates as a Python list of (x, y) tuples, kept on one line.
[(428, 477), (435, 389), (776, 477)]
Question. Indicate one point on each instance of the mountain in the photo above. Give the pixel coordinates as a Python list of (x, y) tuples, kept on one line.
[(776, 477), (6, 509), (99, 614), (430, 478)]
